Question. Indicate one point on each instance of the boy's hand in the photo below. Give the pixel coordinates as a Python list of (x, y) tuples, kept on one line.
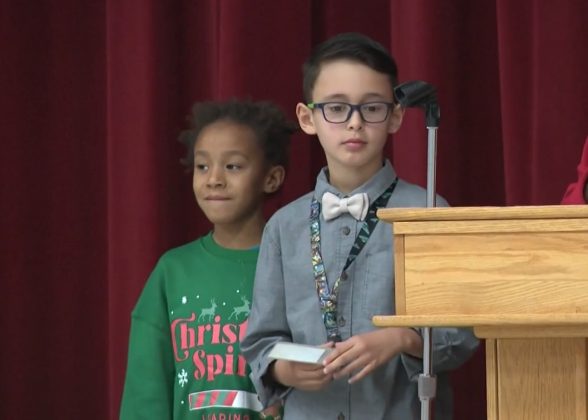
[(365, 352), (304, 376), (273, 412)]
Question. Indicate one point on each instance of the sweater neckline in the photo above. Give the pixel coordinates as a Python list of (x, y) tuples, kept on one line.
[(217, 250)]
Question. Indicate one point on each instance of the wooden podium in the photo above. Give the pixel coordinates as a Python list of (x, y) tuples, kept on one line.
[(519, 276)]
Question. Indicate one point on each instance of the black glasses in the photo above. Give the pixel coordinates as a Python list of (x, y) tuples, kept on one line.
[(340, 112)]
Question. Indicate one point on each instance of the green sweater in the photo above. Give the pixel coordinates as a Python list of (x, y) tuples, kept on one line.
[(184, 357)]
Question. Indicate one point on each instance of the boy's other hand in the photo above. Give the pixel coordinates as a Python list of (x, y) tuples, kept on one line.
[(361, 354)]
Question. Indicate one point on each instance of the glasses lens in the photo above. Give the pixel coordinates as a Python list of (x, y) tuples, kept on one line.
[(336, 112), (374, 111)]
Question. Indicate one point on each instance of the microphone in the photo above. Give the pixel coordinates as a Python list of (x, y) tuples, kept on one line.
[(417, 93)]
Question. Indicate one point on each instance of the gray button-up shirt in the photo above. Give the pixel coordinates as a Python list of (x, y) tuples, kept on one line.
[(285, 308)]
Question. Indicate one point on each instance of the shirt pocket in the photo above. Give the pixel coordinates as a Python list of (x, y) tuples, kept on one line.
[(378, 284)]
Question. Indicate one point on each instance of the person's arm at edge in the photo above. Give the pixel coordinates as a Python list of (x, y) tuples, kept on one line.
[(577, 192)]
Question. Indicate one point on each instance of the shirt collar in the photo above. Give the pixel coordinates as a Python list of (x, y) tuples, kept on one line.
[(374, 187)]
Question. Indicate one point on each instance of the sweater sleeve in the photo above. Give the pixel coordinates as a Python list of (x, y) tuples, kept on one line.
[(148, 389), (575, 192)]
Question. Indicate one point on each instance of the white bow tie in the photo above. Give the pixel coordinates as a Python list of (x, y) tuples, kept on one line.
[(356, 205)]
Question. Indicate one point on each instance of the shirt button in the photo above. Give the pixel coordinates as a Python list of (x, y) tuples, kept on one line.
[(341, 322), (345, 230), (344, 275)]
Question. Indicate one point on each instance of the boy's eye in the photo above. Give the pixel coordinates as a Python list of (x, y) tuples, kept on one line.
[(337, 108), (234, 166), (372, 108), (200, 167)]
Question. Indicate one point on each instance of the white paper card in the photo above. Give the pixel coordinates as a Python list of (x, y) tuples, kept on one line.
[(298, 352)]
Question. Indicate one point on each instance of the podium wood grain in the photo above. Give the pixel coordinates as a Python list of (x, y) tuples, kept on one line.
[(519, 276)]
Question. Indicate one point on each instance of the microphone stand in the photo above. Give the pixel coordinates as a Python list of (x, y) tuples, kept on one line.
[(421, 94), (427, 380)]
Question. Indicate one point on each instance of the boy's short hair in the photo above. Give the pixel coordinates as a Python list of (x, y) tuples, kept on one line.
[(352, 46), (268, 122)]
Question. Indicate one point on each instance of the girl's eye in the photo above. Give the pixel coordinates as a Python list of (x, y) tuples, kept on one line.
[(200, 167), (233, 167)]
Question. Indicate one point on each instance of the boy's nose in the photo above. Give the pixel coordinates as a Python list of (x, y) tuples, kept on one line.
[(355, 121)]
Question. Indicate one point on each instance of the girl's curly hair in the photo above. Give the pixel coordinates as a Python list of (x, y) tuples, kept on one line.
[(268, 122)]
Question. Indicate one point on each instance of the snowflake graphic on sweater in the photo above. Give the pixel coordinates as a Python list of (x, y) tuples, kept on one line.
[(183, 378)]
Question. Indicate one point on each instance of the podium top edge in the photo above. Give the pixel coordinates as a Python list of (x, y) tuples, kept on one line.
[(483, 213), (482, 320)]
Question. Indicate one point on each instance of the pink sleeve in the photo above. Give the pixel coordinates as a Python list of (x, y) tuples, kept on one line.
[(575, 191)]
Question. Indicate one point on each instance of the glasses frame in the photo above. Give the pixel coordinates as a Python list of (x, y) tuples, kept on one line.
[(352, 109)]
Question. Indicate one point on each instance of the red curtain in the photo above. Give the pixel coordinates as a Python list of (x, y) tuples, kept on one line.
[(93, 95)]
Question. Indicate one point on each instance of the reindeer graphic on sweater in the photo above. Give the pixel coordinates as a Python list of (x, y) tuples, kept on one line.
[(242, 309), (208, 312)]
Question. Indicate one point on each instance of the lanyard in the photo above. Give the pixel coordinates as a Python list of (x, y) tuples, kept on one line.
[(328, 298)]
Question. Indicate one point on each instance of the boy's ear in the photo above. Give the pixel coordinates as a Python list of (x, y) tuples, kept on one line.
[(274, 179), (395, 120), (305, 118)]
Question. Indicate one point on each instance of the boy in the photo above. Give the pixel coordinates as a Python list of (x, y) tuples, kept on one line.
[(184, 358), (321, 278), (577, 192)]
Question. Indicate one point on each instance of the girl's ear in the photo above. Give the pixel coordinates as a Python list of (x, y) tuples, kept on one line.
[(395, 120), (305, 118), (274, 179)]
